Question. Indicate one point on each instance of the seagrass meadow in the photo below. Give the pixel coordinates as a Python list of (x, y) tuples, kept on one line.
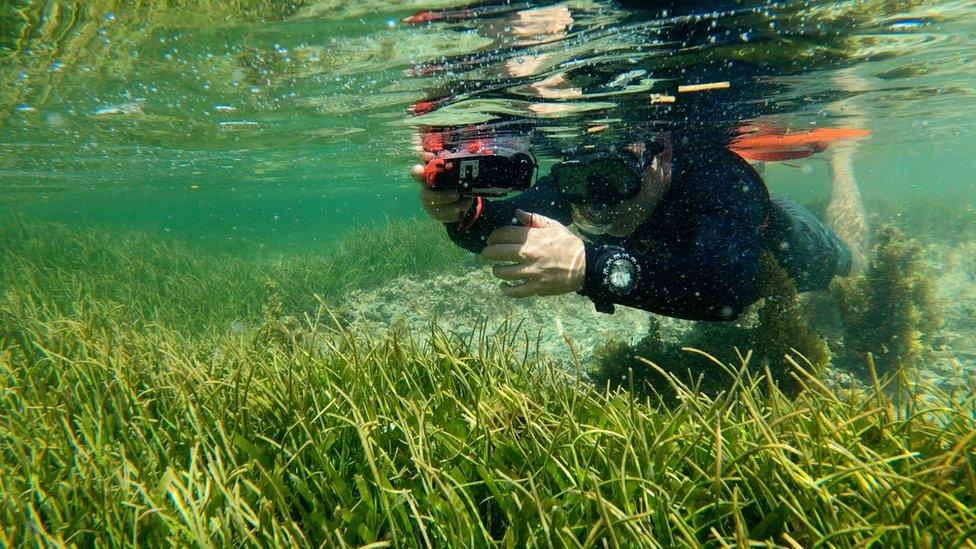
[(222, 323), (143, 403)]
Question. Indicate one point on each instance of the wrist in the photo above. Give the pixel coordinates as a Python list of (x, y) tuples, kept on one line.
[(579, 268), (611, 273)]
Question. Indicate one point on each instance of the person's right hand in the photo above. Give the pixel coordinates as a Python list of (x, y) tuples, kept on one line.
[(443, 206)]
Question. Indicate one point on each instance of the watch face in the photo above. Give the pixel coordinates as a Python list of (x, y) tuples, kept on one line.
[(621, 274)]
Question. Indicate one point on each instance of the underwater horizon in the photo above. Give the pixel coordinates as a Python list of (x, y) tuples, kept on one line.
[(225, 318)]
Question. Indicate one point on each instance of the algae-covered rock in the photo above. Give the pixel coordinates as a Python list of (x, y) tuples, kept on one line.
[(695, 359), (783, 330), (891, 311), (277, 327)]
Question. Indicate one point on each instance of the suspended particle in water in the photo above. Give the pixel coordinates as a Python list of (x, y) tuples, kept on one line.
[(391, 23), (55, 120)]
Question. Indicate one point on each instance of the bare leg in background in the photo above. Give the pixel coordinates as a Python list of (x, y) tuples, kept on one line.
[(845, 212)]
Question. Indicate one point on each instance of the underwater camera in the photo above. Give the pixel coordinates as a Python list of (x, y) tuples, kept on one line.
[(481, 169)]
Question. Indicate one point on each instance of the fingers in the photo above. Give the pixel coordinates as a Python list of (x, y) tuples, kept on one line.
[(508, 235), (438, 198), (445, 206), (503, 252), (530, 289), (418, 169), (519, 271), (533, 220), (417, 172), (526, 289), (449, 213)]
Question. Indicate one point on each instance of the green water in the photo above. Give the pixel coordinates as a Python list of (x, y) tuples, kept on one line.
[(225, 319), (262, 127), (167, 122)]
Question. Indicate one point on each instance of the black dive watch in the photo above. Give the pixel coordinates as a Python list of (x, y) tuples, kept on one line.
[(618, 271), (612, 273)]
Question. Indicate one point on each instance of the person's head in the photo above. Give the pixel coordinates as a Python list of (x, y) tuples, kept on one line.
[(614, 190)]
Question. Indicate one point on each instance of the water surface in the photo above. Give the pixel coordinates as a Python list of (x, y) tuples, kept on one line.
[(262, 126)]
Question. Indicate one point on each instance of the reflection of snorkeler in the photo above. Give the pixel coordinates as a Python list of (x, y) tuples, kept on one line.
[(521, 28), (675, 230)]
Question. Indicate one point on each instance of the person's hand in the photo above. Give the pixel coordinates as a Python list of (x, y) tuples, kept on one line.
[(443, 206), (543, 257)]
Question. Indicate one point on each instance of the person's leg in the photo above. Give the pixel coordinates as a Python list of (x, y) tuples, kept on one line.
[(810, 251), (845, 212)]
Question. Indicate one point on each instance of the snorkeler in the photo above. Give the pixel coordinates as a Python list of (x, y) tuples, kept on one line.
[(674, 230), (674, 225)]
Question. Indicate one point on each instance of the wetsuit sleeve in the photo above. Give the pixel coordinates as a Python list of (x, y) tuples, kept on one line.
[(542, 198), (717, 281)]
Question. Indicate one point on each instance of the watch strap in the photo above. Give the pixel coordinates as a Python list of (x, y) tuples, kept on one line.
[(594, 286)]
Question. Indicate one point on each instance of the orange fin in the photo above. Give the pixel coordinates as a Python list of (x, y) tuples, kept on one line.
[(766, 145), (772, 156)]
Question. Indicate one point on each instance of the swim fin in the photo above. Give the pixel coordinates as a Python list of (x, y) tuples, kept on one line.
[(769, 144)]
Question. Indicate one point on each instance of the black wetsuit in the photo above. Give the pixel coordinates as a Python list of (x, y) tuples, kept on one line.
[(697, 255)]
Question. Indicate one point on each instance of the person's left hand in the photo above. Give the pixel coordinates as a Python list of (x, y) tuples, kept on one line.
[(548, 258)]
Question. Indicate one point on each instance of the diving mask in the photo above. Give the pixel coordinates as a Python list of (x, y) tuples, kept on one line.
[(602, 177)]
